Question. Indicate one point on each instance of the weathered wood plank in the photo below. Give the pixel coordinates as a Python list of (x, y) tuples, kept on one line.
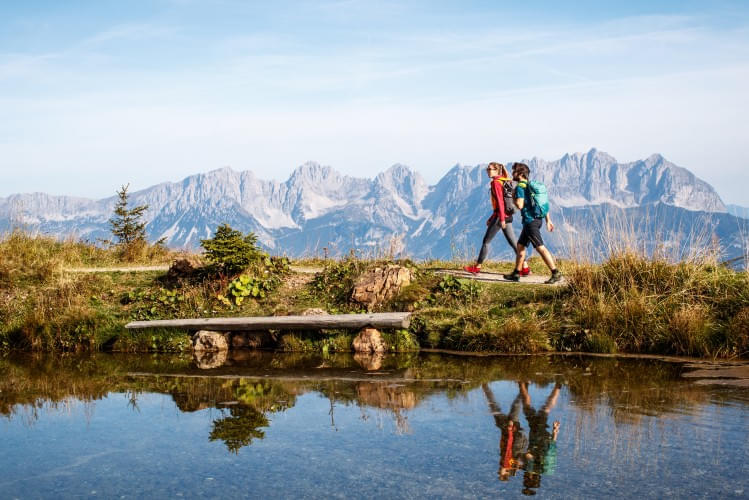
[(347, 321)]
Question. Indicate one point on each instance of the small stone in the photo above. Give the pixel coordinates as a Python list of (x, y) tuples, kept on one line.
[(369, 340), (185, 266), (207, 360), (369, 361), (207, 340)]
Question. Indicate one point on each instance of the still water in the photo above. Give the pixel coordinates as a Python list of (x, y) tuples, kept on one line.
[(266, 425)]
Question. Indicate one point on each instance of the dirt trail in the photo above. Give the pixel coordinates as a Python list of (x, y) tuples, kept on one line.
[(163, 267), (533, 279)]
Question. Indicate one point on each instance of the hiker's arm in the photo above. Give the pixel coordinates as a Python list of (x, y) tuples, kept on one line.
[(549, 224), (520, 196), (500, 197)]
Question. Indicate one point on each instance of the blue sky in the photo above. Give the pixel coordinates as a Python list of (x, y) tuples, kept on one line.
[(94, 94)]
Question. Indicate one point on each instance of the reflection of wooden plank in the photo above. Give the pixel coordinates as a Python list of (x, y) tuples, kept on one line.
[(533, 279), (312, 378), (347, 321)]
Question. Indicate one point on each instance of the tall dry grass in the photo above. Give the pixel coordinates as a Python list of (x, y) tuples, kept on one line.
[(38, 258), (657, 296), (42, 307)]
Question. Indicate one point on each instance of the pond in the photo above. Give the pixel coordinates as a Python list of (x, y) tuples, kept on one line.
[(426, 425)]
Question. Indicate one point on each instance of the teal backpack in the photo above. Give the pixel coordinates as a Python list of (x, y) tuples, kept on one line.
[(539, 199)]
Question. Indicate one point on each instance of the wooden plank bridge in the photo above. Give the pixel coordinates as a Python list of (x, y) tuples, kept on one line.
[(255, 323)]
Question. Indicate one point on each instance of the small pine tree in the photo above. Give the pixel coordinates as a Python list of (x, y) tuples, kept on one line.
[(126, 224), (231, 251)]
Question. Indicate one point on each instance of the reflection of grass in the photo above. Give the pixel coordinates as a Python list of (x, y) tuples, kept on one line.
[(629, 389)]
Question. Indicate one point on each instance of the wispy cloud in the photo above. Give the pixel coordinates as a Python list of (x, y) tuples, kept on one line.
[(358, 84), (130, 32)]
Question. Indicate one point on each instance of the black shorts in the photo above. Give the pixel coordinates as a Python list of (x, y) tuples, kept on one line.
[(531, 233)]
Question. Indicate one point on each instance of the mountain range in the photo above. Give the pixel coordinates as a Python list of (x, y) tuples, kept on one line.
[(738, 211), (594, 199)]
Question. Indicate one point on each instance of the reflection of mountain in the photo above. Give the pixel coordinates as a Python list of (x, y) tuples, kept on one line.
[(318, 207)]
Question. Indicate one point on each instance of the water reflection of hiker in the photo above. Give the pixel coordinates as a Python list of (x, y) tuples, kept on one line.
[(541, 456), (512, 440), (501, 193)]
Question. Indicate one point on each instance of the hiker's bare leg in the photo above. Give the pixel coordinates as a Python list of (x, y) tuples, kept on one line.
[(517, 406), (520, 258), (493, 406), (512, 241), (546, 255), (524, 393), (551, 401)]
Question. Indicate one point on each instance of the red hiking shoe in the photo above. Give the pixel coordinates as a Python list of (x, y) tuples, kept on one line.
[(526, 271), (472, 269)]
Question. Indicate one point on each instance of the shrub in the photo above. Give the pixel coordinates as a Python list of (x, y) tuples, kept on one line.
[(688, 331), (231, 252), (737, 334), (336, 281), (600, 343)]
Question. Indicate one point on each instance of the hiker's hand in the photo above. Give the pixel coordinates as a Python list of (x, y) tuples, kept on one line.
[(504, 224), (550, 225)]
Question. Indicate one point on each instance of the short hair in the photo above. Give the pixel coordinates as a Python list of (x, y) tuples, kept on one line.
[(531, 480), (521, 169)]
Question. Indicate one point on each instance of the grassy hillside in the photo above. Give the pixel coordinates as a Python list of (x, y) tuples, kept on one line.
[(629, 303)]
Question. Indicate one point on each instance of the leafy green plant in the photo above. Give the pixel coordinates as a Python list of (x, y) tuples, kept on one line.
[(458, 288), (151, 304), (279, 265), (247, 286)]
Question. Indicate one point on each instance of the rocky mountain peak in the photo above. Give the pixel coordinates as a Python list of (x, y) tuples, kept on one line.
[(311, 172), (317, 205)]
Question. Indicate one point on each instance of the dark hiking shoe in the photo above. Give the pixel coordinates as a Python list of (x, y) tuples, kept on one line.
[(513, 276), (556, 277)]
